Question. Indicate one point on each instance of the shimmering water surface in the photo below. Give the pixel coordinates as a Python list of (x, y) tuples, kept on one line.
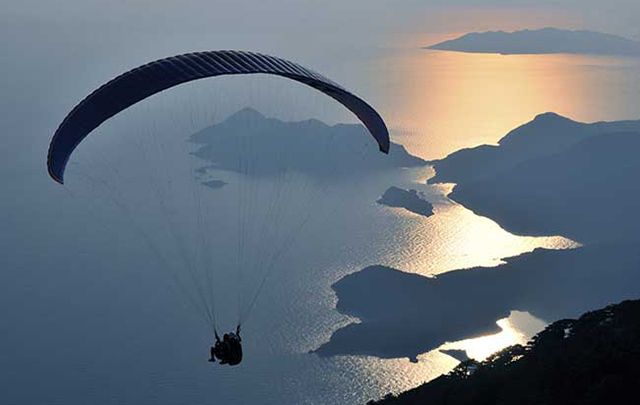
[(439, 102)]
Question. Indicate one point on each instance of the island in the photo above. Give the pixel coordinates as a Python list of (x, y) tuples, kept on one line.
[(541, 41), (247, 142), (590, 360), (214, 184), (404, 315), (411, 200)]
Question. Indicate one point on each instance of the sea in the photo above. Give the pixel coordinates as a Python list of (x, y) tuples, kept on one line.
[(90, 316)]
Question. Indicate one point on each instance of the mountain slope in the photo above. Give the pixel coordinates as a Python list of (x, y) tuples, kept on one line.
[(591, 360), (588, 192), (545, 135)]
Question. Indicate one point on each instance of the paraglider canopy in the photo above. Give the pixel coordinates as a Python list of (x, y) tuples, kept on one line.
[(146, 80)]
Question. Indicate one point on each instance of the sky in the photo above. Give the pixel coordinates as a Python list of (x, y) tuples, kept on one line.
[(63, 37)]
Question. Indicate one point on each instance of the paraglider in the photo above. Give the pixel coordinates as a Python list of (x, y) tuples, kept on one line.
[(142, 82), (227, 350)]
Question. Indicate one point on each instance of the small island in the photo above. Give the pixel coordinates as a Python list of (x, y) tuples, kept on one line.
[(541, 41), (411, 200), (214, 184)]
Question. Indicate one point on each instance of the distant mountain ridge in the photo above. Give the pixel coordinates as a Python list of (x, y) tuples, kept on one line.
[(541, 41)]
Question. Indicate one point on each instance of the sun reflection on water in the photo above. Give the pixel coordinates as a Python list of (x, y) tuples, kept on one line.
[(454, 237), (437, 102), (518, 328)]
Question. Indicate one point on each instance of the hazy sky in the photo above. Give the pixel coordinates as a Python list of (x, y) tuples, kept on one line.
[(54, 51), (300, 29), (619, 16)]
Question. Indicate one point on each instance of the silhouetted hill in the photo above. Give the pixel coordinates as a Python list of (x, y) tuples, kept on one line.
[(546, 134), (554, 176), (402, 314), (592, 360), (542, 41), (268, 145), (411, 200), (588, 192)]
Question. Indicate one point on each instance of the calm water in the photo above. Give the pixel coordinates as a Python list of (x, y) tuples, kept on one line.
[(439, 102), (103, 326), (295, 313)]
